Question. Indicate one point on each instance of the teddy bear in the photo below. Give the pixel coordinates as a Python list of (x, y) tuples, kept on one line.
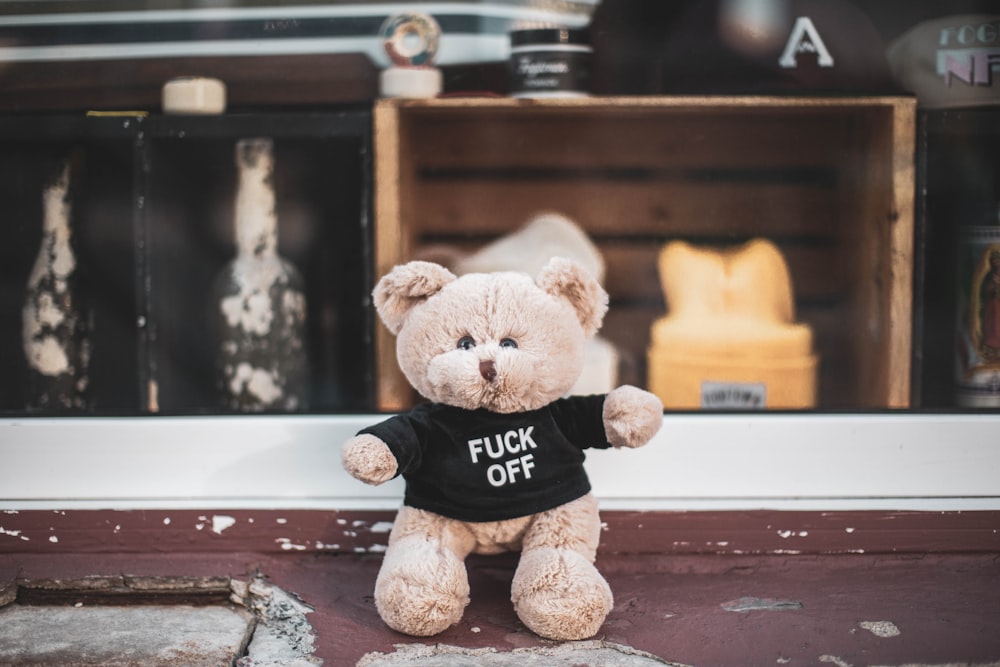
[(493, 461)]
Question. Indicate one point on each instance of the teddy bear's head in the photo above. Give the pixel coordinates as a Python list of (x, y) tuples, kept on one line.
[(499, 341)]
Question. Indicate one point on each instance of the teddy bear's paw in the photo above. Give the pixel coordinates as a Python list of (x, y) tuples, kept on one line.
[(632, 416), (422, 588), (560, 595), (368, 459)]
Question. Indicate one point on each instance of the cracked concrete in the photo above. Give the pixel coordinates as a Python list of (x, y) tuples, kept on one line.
[(148, 635), (284, 638), (130, 621), (573, 654)]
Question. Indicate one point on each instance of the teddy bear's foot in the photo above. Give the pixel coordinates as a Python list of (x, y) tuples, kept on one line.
[(422, 588), (559, 594)]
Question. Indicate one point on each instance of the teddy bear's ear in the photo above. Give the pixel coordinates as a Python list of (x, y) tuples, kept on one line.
[(564, 278), (406, 286)]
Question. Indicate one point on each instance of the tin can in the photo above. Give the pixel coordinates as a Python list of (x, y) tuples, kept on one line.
[(549, 62), (977, 366)]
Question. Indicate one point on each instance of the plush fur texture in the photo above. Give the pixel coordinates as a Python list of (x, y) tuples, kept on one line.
[(563, 310), (422, 587)]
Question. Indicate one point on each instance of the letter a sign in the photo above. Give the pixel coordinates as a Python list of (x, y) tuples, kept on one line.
[(805, 39)]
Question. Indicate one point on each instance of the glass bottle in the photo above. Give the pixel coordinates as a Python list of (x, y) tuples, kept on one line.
[(260, 300), (55, 329), (977, 365)]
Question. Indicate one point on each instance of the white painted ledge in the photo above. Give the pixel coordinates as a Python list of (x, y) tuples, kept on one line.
[(698, 461)]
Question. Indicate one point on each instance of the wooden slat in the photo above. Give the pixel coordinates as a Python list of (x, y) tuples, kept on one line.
[(393, 392), (628, 208), (632, 271), (697, 138), (901, 257)]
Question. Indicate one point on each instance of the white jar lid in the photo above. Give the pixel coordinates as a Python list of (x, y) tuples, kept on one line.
[(194, 95), (410, 82)]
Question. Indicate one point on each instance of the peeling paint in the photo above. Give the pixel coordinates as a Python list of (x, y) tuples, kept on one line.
[(55, 264), (221, 522), (381, 527), (259, 382), (53, 539), (883, 629), (14, 533), (785, 534), (288, 545), (745, 604), (166, 521), (281, 520), (839, 662)]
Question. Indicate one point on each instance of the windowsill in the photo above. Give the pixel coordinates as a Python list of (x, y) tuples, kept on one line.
[(792, 461)]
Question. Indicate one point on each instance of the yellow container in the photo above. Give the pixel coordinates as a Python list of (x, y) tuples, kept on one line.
[(729, 339)]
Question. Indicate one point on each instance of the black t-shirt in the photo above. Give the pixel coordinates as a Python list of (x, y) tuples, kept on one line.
[(477, 465)]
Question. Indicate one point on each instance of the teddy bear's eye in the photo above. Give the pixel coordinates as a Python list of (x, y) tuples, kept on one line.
[(466, 343), (508, 343)]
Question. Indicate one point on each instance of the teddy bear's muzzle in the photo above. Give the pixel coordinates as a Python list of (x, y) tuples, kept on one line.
[(488, 369)]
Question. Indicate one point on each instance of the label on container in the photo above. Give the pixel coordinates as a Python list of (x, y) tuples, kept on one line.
[(550, 69), (733, 395), (977, 365)]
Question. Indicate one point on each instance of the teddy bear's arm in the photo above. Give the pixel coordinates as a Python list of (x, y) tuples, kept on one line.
[(367, 458), (632, 416)]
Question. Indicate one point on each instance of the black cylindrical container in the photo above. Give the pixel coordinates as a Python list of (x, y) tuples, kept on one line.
[(550, 62)]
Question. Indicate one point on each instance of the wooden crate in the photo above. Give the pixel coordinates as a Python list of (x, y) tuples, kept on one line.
[(829, 180)]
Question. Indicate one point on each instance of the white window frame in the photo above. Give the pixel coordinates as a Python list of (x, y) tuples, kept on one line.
[(885, 461)]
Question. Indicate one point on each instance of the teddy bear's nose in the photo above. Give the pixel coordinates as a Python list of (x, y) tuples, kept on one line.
[(488, 370)]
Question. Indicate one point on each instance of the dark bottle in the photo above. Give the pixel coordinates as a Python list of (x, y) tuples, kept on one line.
[(56, 331), (259, 300)]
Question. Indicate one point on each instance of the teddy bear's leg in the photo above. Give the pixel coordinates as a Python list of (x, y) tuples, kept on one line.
[(557, 591), (422, 587)]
